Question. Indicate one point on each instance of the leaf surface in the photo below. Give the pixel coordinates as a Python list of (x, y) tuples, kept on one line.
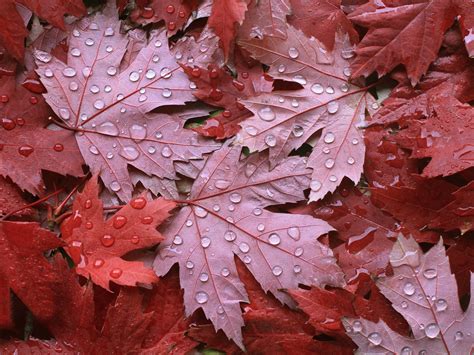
[(227, 217)]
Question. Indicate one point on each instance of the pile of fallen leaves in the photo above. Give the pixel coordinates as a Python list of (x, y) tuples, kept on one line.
[(270, 176)]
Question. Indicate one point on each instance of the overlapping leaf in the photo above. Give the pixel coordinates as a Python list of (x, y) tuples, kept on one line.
[(25, 114), (265, 18), (226, 216), (328, 103), (97, 246), (424, 292), (105, 103)]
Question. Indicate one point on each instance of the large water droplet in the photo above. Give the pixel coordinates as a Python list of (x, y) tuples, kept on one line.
[(204, 277), (166, 152), (137, 132), (300, 79), (329, 163), (69, 72), (315, 185), (294, 233), (375, 338), (230, 236), (251, 130), (406, 350), (166, 93), (293, 52), (299, 251), (225, 272), (430, 273), (129, 152), (165, 73), (270, 140), (177, 240), (115, 186), (409, 289), (201, 297), (73, 86), (189, 265), (277, 270), (200, 212), (107, 240), (235, 197), (205, 242), (89, 42), (333, 106), (111, 71), (329, 138), (441, 305), (93, 149), (267, 114), (297, 269), (317, 88), (357, 326), (432, 330), (150, 74), (458, 335), (119, 222), (222, 184), (99, 104), (134, 76), (108, 128), (274, 239), (244, 247)]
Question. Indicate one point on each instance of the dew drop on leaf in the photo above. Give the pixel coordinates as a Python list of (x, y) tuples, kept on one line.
[(409, 289), (107, 240), (230, 236), (189, 264), (357, 326), (277, 270), (166, 152), (266, 114), (204, 277), (317, 88), (375, 338), (294, 233), (244, 247), (177, 240), (225, 272), (274, 239), (129, 152), (430, 273), (108, 128), (205, 242), (441, 305), (432, 330), (116, 273), (299, 251), (200, 212), (115, 186), (293, 52), (201, 297)]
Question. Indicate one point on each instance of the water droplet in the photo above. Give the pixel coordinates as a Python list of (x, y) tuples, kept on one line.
[(330, 90), (274, 239), (115, 186), (189, 264), (430, 273), (299, 251), (344, 88), (134, 76), (48, 73), (107, 240), (94, 89), (260, 227), (251, 130), (158, 44), (119, 221), (69, 72), (317, 88), (99, 263), (277, 270), (147, 220), (111, 71), (404, 305), (155, 59), (205, 242), (110, 155), (225, 272), (294, 233), (165, 73), (244, 247), (329, 138), (326, 150), (441, 305), (329, 163), (89, 42), (200, 212), (357, 326), (189, 223), (93, 149), (230, 236), (177, 240), (281, 68), (109, 49), (99, 104), (333, 178), (355, 141), (108, 128), (406, 350), (137, 132), (432, 330), (129, 152), (235, 197), (333, 106), (375, 105), (204, 277), (267, 114), (300, 79), (222, 184), (293, 53), (94, 26), (257, 211), (375, 338), (315, 185), (409, 289), (73, 86), (138, 203), (109, 32), (347, 71), (297, 269), (116, 273), (270, 140), (298, 130), (201, 297), (458, 335), (166, 93), (43, 57), (220, 310), (166, 152)]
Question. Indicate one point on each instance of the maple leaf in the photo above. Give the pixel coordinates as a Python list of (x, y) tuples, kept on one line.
[(217, 87), (11, 198), (23, 266), (459, 213), (92, 91), (175, 13), (284, 120), (24, 116), (225, 16), (322, 21), (14, 35), (226, 216), (424, 292), (96, 246), (446, 137), (365, 230), (462, 263), (402, 32), (265, 18)]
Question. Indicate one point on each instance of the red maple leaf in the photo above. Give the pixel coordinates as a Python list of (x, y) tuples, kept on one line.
[(23, 266), (53, 11), (96, 246), (25, 115)]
